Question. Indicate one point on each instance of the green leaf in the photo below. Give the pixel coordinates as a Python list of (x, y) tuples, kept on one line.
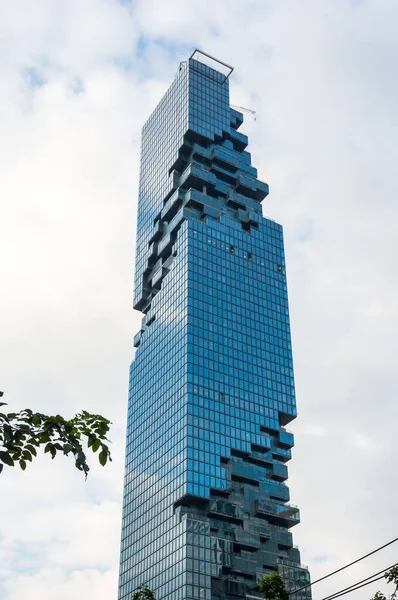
[(36, 419), (21, 433), (27, 455), (96, 445), (103, 457), (33, 440), (31, 449), (81, 457), (11, 448), (19, 436), (8, 434), (67, 448), (6, 458)]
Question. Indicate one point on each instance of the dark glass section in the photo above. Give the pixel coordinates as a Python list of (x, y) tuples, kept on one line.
[(206, 506)]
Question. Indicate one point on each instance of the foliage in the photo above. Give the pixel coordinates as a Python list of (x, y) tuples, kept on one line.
[(143, 593), (21, 434), (392, 577), (273, 587)]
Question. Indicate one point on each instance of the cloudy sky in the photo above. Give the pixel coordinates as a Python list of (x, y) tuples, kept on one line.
[(77, 80)]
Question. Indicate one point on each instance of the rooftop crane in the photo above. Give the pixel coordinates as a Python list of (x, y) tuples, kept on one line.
[(247, 110)]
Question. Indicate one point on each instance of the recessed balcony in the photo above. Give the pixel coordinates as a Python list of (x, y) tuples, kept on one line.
[(284, 515), (239, 140), (224, 510), (246, 540), (195, 171)]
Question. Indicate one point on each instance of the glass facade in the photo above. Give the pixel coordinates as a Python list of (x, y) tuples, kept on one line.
[(206, 507)]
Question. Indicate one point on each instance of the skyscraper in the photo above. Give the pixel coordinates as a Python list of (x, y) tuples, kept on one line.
[(206, 508)]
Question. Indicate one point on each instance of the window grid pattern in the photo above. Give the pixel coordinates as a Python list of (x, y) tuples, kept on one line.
[(205, 509), (240, 367)]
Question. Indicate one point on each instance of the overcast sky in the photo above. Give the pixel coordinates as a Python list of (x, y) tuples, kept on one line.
[(77, 80)]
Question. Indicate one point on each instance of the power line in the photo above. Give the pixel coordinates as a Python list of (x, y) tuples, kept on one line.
[(353, 589), (348, 589), (345, 567)]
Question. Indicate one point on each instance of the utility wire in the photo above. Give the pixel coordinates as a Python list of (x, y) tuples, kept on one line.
[(345, 567), (353, 589), (348, 589)]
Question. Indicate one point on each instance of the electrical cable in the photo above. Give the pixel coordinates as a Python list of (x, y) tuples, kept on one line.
[(347, 589), (353, 589), (345, 567)]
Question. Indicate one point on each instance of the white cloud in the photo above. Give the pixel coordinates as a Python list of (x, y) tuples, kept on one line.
[(363, 442), (321, 77), (49, 584), (313, 430)]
